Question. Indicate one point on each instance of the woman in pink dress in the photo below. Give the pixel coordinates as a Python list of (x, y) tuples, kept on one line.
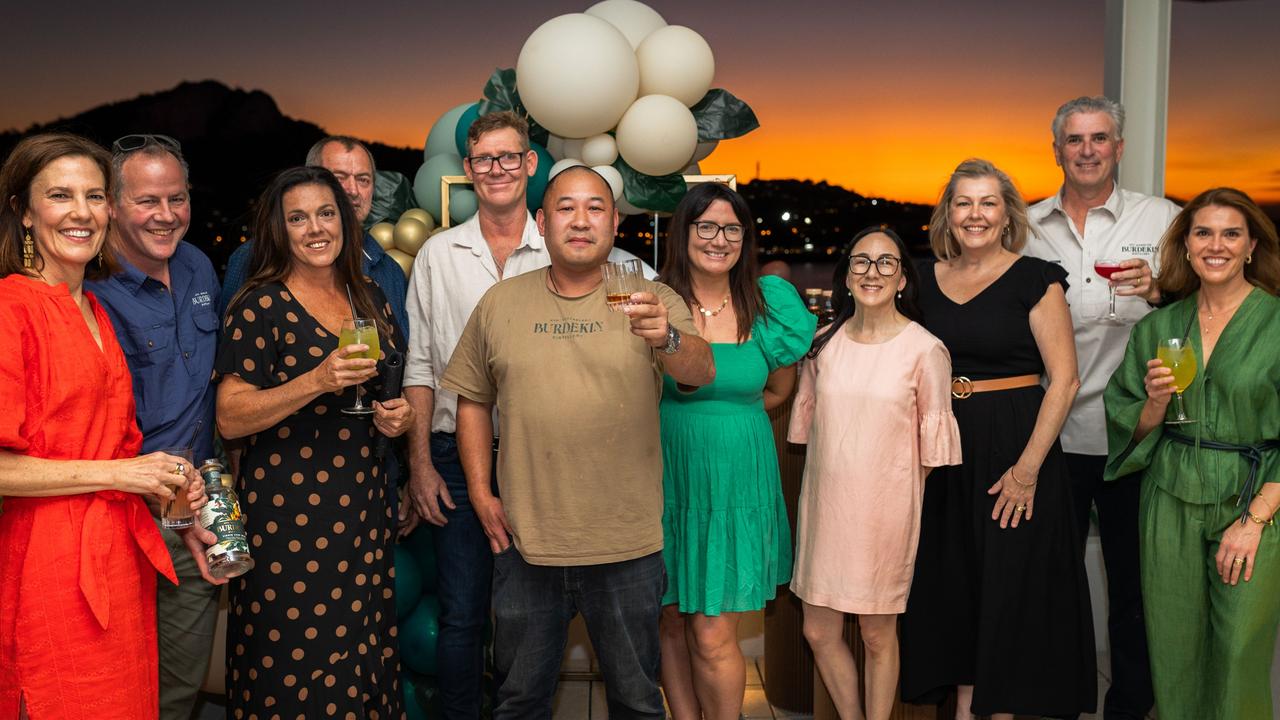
[(874, 407)]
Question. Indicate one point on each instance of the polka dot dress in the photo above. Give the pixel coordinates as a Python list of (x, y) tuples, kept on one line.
[(312, 628)]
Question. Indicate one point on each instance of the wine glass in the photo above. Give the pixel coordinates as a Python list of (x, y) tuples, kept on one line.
[(1107, 267), (1177, 355), (359, 331)]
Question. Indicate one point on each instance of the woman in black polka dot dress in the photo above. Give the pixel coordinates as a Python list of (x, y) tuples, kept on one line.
[(312, 628)]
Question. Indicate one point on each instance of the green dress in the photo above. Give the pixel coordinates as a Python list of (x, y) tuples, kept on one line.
[(1211, 643), (727, 540)]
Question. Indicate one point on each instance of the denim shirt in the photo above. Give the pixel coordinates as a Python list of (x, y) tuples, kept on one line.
[(169, 337), (378, 265)]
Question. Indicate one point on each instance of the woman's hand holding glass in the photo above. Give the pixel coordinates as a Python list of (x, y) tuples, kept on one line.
[(345, 367), (155, 475), (1015, 493)]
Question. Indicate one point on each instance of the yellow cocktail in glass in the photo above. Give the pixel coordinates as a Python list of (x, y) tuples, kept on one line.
[(362, 331), (1177, 355)]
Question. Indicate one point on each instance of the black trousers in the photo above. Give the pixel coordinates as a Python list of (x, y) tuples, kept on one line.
[(1130, 695)]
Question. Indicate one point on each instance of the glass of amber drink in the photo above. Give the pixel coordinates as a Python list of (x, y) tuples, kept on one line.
[(1177, 355), (620, 280), (177, 514)]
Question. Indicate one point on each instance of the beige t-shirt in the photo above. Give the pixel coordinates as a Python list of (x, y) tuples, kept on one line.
[(580, 463)]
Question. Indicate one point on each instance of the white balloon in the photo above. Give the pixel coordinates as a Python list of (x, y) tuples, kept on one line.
[(610, 173), (599, 149), (657, 135), (635, 19), (555, 146), (561, 165), (676, 61), (572, 148), (576, 75), (440, 139), (704, 149)]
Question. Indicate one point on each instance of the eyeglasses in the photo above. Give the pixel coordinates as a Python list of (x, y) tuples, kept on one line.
[(507, 161), (708, 230), (886, 265), (130, 143)]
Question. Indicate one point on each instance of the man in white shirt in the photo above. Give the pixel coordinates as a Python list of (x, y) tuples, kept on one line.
[(1089, 220), (450, 274)]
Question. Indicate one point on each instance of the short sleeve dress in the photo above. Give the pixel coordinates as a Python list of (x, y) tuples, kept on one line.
[(727, 541), (77, 572), (1006, 611), (312, 628), (872, 417)]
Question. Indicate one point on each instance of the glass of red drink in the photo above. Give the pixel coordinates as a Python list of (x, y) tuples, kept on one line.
[(1106, 268)]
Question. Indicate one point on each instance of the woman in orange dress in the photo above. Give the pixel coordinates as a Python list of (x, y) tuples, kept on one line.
[(79, 550)]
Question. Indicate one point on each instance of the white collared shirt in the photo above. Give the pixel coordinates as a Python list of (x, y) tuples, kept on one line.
[(1128, 225), (452, 271)]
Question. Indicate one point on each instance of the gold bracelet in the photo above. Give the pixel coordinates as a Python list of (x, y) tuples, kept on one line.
[(1258, 520), (1015, 479)]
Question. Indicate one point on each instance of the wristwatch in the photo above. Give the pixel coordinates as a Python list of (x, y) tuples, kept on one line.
[(673, 341)]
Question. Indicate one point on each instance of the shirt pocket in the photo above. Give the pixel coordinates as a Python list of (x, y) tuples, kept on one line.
[(150, 346)]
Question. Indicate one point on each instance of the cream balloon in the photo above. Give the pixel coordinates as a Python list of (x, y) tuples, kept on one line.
[(572, 148), (611, 174), (410, 233), (635, 19), (403, 259), (555, 146), (599, 149), (383, 233), (561, 165), (657, 135), (676, 61), (577, 75), (420, 215)]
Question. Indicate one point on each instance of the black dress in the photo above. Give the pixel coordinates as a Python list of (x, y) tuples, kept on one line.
[(312, 628), (1004, 610)]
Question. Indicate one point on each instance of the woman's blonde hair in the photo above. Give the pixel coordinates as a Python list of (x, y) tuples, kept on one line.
[(946, 247)]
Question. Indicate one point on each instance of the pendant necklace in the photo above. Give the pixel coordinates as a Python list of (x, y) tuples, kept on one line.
[(712, 313)]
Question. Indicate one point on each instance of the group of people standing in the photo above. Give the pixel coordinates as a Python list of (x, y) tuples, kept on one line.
[(962, 418)]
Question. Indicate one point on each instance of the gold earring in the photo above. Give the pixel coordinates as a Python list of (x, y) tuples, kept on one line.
[(1188, 256), (1248, 259), (28, 250)]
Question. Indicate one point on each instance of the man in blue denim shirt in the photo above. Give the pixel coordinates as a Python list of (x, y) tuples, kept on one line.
[(163, 305)]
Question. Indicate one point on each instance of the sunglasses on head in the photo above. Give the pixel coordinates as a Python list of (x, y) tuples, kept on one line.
[(129, 143)]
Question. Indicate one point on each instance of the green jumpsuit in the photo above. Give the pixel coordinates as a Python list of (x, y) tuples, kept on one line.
[(1211, 643)]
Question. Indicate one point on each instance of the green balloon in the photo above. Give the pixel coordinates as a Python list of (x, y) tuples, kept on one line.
[(541, 176), (421, 696), (440, 138), (418, 635), (463, 203), (426, 183), (467, 117), (408, 581)]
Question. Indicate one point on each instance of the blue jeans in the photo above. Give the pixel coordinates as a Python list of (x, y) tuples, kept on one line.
[(532, 607), (465, 567)]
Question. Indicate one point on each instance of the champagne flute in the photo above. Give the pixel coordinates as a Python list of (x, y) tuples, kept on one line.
[(620, 280), (1107, 267), (1177, 355), (363, 331)]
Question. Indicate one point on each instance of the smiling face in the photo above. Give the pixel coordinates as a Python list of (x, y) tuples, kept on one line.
[(873, 290), (153, 209), (977, 215), (501, 189), (1218, 244), (68, 216), (1088, 151), (717, 256), (315, 226), (578, 220)]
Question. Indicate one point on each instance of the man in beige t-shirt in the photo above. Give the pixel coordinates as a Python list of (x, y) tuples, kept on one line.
[(579, 524)]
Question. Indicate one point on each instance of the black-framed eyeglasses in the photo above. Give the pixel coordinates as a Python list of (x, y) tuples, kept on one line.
[(886, 265), (708, 230), (507, 161), (130, 143)]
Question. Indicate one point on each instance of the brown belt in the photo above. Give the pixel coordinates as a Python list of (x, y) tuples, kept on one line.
[(962, 387)]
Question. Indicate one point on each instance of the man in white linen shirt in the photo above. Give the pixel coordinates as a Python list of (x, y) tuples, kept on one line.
[(450, 274), (1091, 219)]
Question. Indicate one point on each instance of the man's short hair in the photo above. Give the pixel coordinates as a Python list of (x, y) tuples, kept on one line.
[(151, 148), (575, 169), (1087, 104), (348, 143), (498, 121)]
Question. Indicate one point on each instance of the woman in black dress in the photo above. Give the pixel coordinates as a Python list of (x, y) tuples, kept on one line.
[(311, 632), (999, 606)]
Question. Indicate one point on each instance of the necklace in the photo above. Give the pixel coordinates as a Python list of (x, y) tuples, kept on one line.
[(1208, 311), (552, 277), (712, 313)]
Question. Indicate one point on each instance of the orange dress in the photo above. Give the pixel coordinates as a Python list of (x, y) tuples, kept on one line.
[(77, 572)]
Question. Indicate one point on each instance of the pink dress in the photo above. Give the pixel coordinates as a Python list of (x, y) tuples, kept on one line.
[(872, 416)]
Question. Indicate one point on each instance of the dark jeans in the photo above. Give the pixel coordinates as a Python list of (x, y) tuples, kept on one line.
[(1130, 695), (532, 607), (465, 567)]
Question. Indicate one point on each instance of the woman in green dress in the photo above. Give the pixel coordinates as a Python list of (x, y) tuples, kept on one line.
[(1210, 550), (727, 541)]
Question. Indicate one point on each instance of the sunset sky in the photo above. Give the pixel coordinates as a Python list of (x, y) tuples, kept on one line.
[(881, 97)]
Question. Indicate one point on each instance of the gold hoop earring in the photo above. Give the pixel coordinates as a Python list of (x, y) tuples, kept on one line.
[(28, 250), (1248, 259), (1188, 257)]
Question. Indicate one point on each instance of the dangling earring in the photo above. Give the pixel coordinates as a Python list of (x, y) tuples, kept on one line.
[(899, 294), (28, 250), (1248, 259), (1188, 257)]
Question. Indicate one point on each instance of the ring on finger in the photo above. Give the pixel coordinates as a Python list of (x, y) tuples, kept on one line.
[(1019, 508), (1239, 561), (181, 470)]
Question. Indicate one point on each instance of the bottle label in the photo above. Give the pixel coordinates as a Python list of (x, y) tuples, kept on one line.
[(221, 516)]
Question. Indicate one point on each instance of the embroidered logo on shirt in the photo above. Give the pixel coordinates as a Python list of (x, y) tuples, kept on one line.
[(201, 299)]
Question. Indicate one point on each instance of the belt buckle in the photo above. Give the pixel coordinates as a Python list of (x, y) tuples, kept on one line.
[(965, 385)]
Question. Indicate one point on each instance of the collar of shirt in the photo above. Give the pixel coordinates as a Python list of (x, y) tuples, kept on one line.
[(181, 271), (1113, 205), (470, 236)]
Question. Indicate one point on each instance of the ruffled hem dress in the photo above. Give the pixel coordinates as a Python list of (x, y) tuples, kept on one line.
[(727, 539)]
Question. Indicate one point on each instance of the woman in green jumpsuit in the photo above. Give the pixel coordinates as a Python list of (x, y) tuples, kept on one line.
[(1210, 551)]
